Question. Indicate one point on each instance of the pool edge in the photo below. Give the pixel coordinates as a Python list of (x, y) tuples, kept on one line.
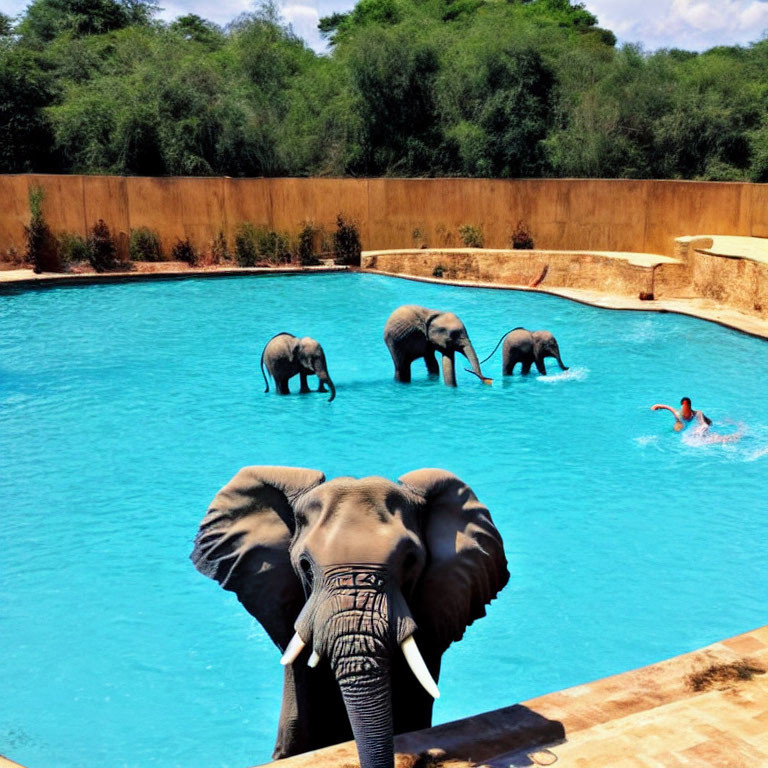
[(643, 714), (55, 280), (728, 318)]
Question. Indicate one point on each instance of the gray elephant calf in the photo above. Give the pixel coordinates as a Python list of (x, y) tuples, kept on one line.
[(412, 332), (286, 355), (528, 347)]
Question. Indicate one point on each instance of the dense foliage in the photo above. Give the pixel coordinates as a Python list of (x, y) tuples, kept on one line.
[(410, 87)]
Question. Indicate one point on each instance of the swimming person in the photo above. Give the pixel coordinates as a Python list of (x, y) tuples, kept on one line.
[(700, 433), (686, 415)]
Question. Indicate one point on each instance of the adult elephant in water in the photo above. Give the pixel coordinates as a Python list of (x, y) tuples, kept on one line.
[(286, 355), (412, 332), (355, 580)]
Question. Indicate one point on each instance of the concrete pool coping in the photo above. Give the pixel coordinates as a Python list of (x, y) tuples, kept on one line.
[(652, 717), (731, 246), (26, 278), (703, 309)]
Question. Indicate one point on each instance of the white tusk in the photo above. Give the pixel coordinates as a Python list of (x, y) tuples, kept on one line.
[(418, 667), (295, 647), (314, 659)]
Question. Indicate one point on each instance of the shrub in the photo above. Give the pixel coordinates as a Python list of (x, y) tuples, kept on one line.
[(471, 236), (245, 245), (521, 238), (145, 245), (272, 246), (346, 242), (102, 249), (256, 245), (72, 248), (305, 249), (219, 249), (42, 249), (438, 271), (12, 256), (184, 251)]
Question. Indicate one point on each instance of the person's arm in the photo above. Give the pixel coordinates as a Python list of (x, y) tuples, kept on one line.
[(660, 407)]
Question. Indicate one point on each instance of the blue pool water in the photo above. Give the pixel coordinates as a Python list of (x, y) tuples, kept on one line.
[(125, 407)]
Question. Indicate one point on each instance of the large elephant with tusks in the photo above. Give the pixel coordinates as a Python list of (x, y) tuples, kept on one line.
[(362, 583), (412, 332)]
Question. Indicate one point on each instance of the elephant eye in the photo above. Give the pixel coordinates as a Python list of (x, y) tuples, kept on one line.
[(306, 569)]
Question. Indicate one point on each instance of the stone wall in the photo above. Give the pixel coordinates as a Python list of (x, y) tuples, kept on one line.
[(564, 269)]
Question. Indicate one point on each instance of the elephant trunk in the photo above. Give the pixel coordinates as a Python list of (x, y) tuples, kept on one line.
[(368, 702), (469, 352), (359, 643), (326, 379), (560, 362)]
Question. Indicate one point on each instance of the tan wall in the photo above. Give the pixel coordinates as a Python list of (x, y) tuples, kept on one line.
[(562, 214)]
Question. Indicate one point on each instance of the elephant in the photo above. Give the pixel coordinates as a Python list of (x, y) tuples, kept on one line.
[(528, 347), (412, 332), (344, 575), (286, 355)]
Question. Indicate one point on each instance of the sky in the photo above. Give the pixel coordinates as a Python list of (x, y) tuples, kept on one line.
[(691, 24)]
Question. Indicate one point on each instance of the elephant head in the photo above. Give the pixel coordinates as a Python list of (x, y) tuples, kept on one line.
[(310, 355), (350, 578), (448, 335), (545, 345)]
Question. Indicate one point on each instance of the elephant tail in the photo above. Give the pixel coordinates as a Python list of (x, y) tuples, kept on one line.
[(503, 336), (266, 380)]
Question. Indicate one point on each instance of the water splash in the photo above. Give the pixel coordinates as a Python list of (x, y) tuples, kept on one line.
[(649, 441), (572, 374)]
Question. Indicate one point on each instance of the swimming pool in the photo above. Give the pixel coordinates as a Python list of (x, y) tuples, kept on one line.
[(125, 407)]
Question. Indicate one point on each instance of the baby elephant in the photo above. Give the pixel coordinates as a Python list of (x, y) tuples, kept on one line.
[(286, 355), (526, 347), (412, 332)]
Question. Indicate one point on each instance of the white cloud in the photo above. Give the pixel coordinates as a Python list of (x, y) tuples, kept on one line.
[(303, 19), (690, 24)]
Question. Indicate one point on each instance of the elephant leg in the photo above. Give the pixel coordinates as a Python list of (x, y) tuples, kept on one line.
[(449, 371), (304, 386), (432, 366), (321, 387), (402, 369), (312, 714), (509, 367), (282, 386), (540, 367), (525, 368)]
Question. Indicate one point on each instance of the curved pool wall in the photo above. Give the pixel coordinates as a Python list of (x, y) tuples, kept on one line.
[(126, 407)]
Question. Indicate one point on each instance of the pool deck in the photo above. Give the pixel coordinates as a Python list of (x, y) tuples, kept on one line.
[(705, 709)]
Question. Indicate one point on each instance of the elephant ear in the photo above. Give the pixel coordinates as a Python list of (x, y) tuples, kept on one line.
[(466, 566), (243, 543)]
